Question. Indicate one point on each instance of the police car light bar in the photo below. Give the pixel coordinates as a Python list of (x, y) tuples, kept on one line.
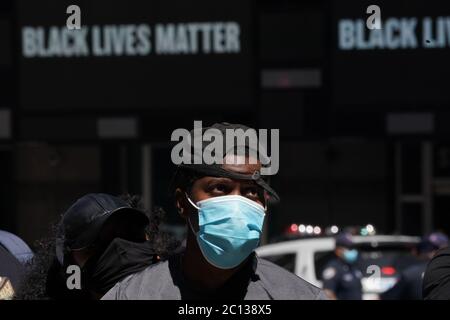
[(310, 230)]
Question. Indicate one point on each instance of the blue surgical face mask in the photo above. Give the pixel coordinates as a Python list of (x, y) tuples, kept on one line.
[(229, 229), (350, 256)]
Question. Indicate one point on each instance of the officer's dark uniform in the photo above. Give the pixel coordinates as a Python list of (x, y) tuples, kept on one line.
[(436, 280), (340, 277), (409, 285), (343, 279)]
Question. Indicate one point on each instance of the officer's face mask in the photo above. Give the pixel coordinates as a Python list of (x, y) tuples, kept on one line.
[(350, 255), (229, 229)]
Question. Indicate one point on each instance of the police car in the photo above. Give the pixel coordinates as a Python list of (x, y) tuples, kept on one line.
[(381, 258)]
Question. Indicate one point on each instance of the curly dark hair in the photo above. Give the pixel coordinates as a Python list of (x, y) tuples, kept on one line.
[(35, 283), (163, 242)]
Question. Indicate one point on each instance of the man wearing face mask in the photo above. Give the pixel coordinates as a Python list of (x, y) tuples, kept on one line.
[(224, 206), (341, 278)]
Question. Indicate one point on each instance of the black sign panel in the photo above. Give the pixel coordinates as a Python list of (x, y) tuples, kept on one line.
[(135, 54), (402, 65)]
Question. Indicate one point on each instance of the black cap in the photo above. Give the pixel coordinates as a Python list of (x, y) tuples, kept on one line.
[(218, 171), (82, 222)]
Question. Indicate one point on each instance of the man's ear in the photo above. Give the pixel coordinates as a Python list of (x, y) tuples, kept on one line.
[(180, 202)]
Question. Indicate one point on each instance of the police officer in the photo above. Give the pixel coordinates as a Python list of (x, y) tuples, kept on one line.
[(436, 281), (436, 278), (224, 207), (409, 285), (341, 278)]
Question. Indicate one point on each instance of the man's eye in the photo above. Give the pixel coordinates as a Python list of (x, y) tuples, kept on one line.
[(221, 188), (252, 192)]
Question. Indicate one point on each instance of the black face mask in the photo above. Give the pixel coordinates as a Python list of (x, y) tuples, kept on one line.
[(119, 260)]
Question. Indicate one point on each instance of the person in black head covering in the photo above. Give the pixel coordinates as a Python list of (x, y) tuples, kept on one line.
[(106, 237)]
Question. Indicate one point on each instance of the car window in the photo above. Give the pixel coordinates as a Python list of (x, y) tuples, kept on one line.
[(286, 261)]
